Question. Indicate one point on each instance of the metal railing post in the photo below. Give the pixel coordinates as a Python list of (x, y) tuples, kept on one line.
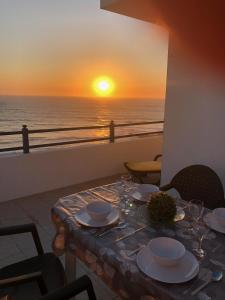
[(111, 132), (25, 133)]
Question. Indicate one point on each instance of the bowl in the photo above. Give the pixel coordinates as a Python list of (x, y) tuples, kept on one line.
[(148, 188), (166, 252), (144, 191), (98, 210), (220, 215)]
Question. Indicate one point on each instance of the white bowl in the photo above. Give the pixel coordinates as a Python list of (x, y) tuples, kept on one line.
[(144, 192), (147, 188), (166, 252), (220, 215), (98, 210)]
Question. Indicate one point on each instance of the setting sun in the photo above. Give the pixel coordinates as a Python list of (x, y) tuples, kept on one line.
[(103, 86)]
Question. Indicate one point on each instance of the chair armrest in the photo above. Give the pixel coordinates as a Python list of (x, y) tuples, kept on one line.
[(6, 297), (17, 229), (166, 187), (157, 157), (17, 280), (72, 289)]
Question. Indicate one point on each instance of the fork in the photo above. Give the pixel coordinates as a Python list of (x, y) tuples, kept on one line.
[(121, 225)]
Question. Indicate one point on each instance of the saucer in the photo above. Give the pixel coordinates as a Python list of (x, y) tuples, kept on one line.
[(211, 221), (83, 218), (184, 271)]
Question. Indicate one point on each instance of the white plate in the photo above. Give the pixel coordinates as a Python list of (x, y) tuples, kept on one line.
[(211, 221), (186, 270), (143, 190), (83, 218)]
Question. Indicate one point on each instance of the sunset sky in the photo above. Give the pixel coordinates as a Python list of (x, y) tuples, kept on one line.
[(59, 47)]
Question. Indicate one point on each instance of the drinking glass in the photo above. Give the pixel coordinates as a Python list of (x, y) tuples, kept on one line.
[(126, 202)]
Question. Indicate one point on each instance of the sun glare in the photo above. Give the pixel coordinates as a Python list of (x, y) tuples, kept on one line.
[(103, 86)]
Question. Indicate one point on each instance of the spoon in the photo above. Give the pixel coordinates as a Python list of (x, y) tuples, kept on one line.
[(215, 276), (121, 225)]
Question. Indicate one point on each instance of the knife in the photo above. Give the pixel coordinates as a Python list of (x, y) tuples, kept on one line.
[(217, 263), (201, 276), (135, 250)]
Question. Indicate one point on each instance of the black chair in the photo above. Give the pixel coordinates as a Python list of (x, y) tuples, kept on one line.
[(72, 289), (43, 272), (198, 182), (64, 293)]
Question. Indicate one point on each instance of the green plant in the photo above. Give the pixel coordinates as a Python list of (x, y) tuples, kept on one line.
[(162, 209)]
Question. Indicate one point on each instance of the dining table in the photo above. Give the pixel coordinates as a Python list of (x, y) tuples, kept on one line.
[(111, 252)]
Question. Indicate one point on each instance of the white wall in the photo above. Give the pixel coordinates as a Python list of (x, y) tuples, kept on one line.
[(23, 175), (194, 117), (195, 101)]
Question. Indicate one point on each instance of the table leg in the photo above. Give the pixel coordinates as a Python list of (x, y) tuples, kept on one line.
[(70, 266)]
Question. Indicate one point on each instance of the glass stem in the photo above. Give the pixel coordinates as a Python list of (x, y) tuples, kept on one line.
[(200, 243)]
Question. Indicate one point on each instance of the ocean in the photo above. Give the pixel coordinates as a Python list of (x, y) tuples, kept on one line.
[(54, 112)]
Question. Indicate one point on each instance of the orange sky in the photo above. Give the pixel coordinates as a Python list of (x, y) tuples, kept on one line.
[(60, 49)]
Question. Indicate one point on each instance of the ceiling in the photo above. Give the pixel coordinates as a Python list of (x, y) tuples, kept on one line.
[(197, 26)]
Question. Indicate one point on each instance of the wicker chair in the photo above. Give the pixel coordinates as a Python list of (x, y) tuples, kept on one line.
[(39, 275), (198, 182), (140, 170)]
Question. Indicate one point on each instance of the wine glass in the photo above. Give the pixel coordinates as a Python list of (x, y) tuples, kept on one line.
[(126, 180), (196, 209), (200, 232)]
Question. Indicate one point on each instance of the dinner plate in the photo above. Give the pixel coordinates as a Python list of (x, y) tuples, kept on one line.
[(184, 271), (143, 191), (211, 221), (83, 218)]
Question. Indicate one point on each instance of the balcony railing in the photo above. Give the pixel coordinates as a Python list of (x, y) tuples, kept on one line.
[(25, 133)]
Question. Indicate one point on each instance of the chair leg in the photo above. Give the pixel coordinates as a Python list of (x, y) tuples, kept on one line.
[(70, 266), (91, 293), (42, 286)]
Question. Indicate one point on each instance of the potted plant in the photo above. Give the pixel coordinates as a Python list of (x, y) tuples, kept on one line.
[(162, 209)]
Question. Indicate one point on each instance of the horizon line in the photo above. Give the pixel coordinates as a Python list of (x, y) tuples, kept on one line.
[(83, 97)]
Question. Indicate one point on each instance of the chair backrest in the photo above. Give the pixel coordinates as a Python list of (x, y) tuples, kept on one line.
[(199, 182)]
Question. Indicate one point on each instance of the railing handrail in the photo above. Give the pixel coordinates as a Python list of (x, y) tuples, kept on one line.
[(10, 132), (138, 123), (111, 126), (79, 128)]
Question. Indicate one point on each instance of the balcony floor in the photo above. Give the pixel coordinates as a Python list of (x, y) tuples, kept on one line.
[(36, 209)]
